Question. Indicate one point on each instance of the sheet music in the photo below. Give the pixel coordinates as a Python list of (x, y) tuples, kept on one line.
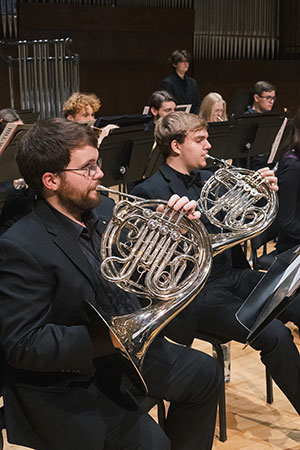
[(277, 141), (7, 135), (292, 270)]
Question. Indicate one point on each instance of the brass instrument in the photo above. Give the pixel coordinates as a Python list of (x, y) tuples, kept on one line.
[(161, 256), (239, 202), (166, 258)]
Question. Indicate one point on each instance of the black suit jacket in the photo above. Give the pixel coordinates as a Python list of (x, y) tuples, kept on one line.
[(44, 330), (185, 92)]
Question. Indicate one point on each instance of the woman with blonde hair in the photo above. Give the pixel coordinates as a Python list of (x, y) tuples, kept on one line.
[(213, 108)]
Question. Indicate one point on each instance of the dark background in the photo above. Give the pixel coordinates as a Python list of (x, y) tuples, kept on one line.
[(124, 53)]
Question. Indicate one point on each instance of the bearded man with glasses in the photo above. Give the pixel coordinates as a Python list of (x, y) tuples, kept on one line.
[(62, 387)]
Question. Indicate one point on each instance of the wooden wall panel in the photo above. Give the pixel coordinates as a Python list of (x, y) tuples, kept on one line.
[(123, 51), (227, 76), (289, 28)]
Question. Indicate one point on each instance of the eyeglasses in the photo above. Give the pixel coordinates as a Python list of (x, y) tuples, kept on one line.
[(269, 98), (89, 171)]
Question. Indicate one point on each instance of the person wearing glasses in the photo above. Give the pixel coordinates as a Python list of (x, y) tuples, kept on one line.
[(264, 98), (63, 374)]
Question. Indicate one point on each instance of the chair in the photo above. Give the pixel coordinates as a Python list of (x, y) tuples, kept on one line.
[(217, 342), (264, 261)]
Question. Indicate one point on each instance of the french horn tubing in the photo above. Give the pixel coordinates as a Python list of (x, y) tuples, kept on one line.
[(239, 202), (161, 256), (166, 258)]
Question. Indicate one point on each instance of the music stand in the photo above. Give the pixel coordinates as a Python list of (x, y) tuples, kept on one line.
[(8, 146), (28, 115), (218, 136), (253, 134), (154, 162), (272, 294), (125, 152)]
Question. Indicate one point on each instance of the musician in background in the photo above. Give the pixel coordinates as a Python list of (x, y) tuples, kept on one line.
[(63, 372), (264, 98), (183, 87), (288, 173), (15, 200), (213, 108), (183, 141), (161, 103), (8, 115), (81, 107)]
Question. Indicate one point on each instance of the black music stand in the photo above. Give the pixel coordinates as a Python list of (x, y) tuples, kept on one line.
[(219, 138), (8, 146), (28, 116), (125, 153), (272, 294), (245, 136)]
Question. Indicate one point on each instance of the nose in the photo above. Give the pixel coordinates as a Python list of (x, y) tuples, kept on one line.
[(99, 174), (207, 145)]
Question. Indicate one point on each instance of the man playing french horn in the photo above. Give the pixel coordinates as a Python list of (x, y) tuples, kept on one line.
[(62, 376), (183, 141)]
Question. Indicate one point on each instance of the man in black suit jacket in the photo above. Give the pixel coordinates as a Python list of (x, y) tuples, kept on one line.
[(62, 383), (182, 139)]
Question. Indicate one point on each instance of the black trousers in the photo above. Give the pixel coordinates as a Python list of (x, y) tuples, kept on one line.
[(78, 416), (216, 306), (190, 380)]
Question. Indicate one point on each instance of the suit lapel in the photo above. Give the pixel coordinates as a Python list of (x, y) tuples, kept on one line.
[(63, 240), (176, 184)]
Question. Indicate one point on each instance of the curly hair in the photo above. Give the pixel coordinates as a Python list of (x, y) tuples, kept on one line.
[(79, 101)]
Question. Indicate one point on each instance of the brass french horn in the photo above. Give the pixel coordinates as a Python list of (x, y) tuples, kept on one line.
[(239, 202), (166, 258), (161, 256)]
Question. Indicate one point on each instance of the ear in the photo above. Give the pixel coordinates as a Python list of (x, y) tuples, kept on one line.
[(51, 181), (176, 147), (153, 111), (256, 97), (70, 117)]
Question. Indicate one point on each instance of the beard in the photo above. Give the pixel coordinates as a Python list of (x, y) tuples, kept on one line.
[(76, 201)]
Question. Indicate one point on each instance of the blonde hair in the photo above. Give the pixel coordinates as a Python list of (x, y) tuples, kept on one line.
[(175, 126), (207, 105), (79, 101)]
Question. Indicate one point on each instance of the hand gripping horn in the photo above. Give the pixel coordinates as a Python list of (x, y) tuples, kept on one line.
[(161, 256)]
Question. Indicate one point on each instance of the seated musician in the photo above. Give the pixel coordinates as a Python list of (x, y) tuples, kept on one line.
[(183, 141), (161, 103), (81, 107), (15, 199), (62, 380)]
